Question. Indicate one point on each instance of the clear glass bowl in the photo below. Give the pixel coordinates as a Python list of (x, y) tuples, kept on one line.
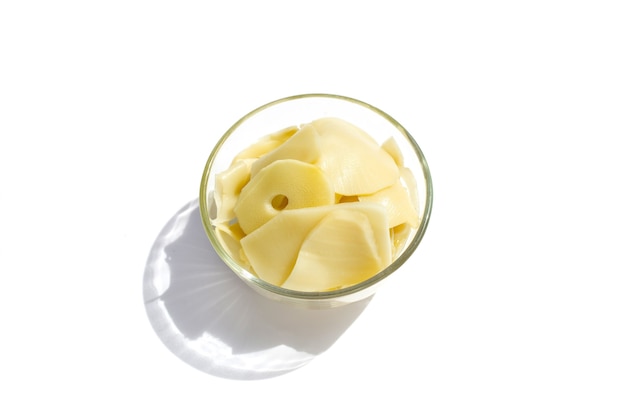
[(296, 110)]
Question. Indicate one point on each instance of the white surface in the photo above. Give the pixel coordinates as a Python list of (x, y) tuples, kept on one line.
[(514, 303)]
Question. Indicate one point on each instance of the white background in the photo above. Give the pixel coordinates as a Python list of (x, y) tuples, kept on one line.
[(514, 304)]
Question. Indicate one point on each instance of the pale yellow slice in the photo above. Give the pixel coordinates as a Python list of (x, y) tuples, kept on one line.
[(391, 147), (228, 185), (283, 185), (399, 236), (411, 185), (353, 159), (339, 252), (303, 146), (273, 248), (397, 202), (266, 144), (230, 238)]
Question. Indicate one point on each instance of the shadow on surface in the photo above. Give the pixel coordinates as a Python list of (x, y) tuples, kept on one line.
[(213, 321)]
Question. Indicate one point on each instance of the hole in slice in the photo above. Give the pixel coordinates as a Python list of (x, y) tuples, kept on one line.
[(280, 202)]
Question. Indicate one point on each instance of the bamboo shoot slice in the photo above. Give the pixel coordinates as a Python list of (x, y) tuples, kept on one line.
[(283, 185), (266, 144), (352, 159), (397, 202), (339, 252), (303, 146), (273, 248)]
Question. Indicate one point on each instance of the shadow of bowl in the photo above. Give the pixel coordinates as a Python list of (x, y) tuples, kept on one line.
[(213, 321)]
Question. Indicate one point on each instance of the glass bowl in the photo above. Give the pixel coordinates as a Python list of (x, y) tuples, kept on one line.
[(293, 111)]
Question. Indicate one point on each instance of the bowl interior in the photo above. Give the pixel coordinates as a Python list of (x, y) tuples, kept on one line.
[(293, 111)]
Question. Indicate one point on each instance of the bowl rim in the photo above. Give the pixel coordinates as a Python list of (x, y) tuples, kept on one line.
[(317, 295)]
